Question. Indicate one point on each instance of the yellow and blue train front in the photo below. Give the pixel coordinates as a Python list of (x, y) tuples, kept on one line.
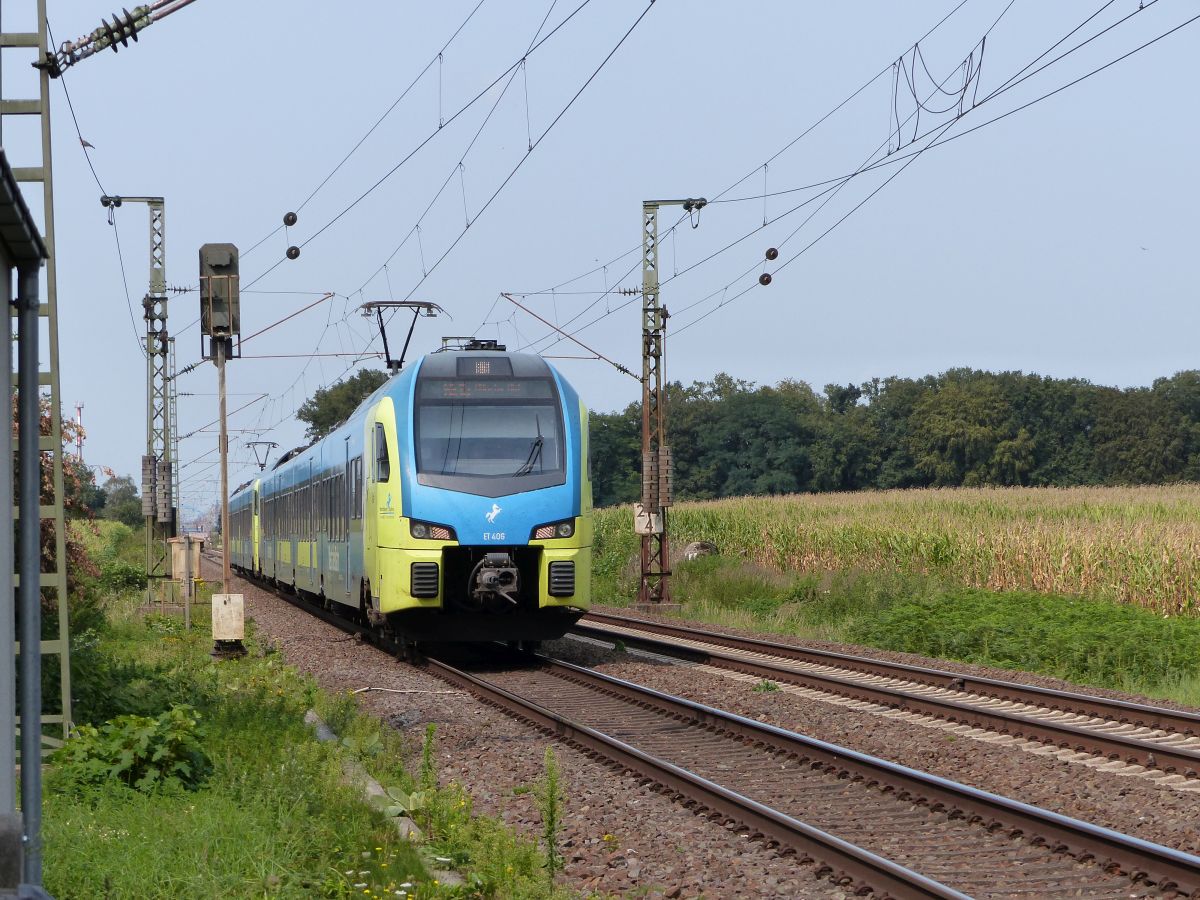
[(494, 533)]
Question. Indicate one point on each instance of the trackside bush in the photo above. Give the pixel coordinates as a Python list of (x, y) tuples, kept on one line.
[(117, 575), (148, 754)]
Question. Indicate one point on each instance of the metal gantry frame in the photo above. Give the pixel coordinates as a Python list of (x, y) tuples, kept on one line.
[(53, 572)]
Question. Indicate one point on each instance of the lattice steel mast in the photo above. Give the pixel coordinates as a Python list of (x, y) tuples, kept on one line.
[(158, 473), (657, 469)]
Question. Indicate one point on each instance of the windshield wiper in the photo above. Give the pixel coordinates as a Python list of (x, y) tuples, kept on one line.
[(535, 451)]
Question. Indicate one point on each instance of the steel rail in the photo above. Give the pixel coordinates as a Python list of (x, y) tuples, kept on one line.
[(850, 861), (1169, 869), (1081, 739), (1123, 711)]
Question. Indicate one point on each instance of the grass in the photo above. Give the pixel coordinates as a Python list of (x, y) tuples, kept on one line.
[(497, 862), (803, 566), (275, 818)]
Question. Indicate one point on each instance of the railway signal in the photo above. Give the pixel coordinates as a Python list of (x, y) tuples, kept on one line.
[(220, 322)]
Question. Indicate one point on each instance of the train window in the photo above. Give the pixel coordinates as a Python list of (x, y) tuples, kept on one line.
[(490, 440), (356, 488), (383, 465)]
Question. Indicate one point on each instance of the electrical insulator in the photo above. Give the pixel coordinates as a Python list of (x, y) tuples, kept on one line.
[(772, 253), (764, 279), (120, 31), (293, 252)]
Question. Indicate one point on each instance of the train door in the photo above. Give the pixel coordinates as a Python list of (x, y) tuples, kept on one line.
[(255, 528), (370, 515), (348, 493)]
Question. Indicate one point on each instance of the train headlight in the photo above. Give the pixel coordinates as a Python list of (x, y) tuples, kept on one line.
[(428, 531), (563, 529)]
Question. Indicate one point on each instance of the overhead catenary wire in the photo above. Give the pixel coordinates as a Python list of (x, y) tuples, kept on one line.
[(327, 296), (940, 139), (456, 168), (609, 289), (433, 134), (598, 355), (772, 158), (371, 130), (1012, 82), (604, 62), (84, 145)]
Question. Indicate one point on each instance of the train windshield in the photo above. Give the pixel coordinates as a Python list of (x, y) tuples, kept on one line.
[(485, 431)]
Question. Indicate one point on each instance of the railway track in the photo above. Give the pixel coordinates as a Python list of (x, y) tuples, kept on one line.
[(869, 824), (849, 811), (1123, 732)]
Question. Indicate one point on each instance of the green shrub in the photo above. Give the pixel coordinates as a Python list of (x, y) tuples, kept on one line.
[(117, 575), (106, 686), (148, 754)]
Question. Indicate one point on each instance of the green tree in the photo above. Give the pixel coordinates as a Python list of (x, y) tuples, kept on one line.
[(846, 453), (122, 502), (331, 406), (615, 448)]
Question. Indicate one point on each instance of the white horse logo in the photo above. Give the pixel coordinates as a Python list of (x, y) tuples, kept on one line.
[(491, 517)]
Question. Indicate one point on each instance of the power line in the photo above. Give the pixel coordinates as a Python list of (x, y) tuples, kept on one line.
[(939, 139), (775, 156), (535, 145), (435, 58), (468, 105), (1012, 82), (458, 167), (125, 281), (84, 145)]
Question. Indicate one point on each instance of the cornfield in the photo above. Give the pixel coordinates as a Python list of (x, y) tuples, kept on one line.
[(1138, 545)]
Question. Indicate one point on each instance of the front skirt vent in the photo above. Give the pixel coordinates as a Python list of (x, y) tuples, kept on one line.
[(424, 579), (562, 579)]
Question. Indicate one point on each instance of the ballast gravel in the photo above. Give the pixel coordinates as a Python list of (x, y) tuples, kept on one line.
[(618, 837), (622, 838), (1131, 805)]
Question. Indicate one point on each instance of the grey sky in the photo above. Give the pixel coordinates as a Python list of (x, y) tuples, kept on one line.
[(1052, 241)]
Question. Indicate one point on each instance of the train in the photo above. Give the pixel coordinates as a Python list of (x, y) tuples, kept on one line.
[(453, 505)]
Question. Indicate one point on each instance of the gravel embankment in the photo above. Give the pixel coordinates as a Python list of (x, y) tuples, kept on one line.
[(1130, 805), (619, 837), (623, 838)]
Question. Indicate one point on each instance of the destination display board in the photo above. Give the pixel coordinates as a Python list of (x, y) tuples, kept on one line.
[(486, 389)]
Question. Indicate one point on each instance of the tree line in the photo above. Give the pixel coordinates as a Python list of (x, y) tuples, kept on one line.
[(961, 428)]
